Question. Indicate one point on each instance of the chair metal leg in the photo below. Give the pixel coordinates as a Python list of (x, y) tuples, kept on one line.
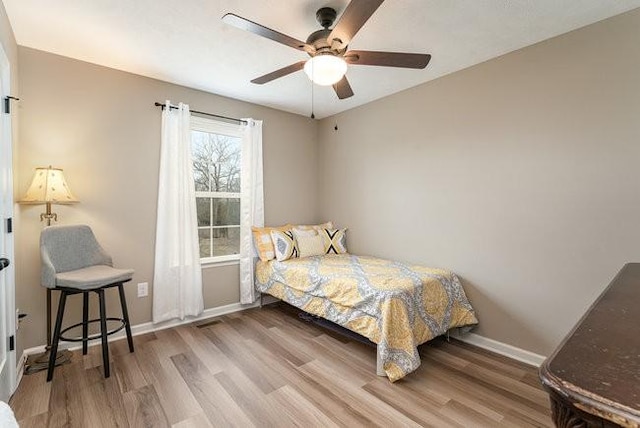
[(56, 335), (85, 321), (103, 330), (48, 318), (125, 316)]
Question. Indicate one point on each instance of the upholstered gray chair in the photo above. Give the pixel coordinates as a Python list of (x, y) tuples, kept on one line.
[(73, 262)]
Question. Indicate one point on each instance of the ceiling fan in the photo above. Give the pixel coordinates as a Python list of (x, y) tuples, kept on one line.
[(328, 48)]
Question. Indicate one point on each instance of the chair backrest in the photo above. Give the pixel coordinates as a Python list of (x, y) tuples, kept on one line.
[(67, 248)]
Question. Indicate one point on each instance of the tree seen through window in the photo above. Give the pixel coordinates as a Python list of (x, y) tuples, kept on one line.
[(216, 169)]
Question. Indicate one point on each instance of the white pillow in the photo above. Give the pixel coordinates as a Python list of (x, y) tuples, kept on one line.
[(310, 243)]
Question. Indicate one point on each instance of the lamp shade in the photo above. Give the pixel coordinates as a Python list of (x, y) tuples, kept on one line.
[(48, 185), (325, 69)]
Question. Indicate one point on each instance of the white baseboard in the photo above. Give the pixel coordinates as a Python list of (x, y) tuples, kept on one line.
[(149, 327), (501, 348)]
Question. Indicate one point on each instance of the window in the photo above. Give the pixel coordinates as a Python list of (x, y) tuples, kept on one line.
[(216, 150)]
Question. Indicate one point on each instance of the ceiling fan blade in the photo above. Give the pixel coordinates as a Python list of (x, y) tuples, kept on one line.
[(343, 88), (352, 19), (279, 73), (387, 59), (260, 30)]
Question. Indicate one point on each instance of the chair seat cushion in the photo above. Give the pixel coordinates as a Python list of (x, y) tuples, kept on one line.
[(92, 277)]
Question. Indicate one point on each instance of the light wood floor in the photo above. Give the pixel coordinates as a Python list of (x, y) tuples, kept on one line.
[(267, 367)]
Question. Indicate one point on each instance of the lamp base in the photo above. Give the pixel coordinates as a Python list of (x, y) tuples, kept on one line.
[(39, 362), (48, 215)]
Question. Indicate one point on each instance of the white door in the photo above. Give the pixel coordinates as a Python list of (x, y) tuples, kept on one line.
[(7, 275)]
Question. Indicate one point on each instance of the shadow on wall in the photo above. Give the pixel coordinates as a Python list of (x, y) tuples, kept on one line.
[(492, 310)]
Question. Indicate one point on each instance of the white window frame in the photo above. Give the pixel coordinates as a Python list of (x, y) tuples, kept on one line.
[(213, 126)]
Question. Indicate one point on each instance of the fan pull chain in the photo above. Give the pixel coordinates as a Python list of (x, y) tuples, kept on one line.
[(313, 116)]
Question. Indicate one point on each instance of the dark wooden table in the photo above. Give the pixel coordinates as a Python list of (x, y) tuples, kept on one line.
[(593, 377)]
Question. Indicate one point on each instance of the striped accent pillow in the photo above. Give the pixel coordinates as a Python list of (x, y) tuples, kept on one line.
[(335, 241), (284, 244)]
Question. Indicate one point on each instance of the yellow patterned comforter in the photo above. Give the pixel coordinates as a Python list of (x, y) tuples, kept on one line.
[(395, 305)]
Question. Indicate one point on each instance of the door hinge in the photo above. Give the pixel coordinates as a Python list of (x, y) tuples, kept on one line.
[(12, 343), (7, 103), (10, 225)]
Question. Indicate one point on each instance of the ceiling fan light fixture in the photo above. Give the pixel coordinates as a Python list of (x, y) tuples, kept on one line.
[(325, 70)]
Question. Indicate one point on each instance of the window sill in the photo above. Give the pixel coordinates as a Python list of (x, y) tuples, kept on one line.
[(214, 264)]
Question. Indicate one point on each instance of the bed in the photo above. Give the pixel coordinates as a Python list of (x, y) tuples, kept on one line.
[(395, 305)]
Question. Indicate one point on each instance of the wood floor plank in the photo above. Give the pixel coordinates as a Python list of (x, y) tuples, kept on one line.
[(418, 407), (467, 416), (324, 398), (121, 346), (36, 421), (378, 411), (68, 384), (143, 408), (127, 371), (516, 371), (465, 387), (327, 349), (252, 330), (473, 353), (93, 358), (451, 359), (233, 345), (290, 320), (261, 410), (269, 367), (172, 343), (174, 394), (462, 397), (99, 407), (362, 367), (299, 409), (214, 359), (197, 421), (531, 378), (498, 379), (37, 401), (514, 386), (219, 408), (115, 401)]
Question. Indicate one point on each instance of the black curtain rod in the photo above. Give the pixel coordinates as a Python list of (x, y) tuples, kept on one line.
[(233, 119)]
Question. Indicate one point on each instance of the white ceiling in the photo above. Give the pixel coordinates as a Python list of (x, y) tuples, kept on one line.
[(185, 41)]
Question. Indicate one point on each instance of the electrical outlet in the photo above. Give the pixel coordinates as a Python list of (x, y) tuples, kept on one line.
[(143, 289)]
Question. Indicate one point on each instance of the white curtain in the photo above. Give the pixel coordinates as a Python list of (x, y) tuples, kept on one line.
[(251, 205), (177, 278)]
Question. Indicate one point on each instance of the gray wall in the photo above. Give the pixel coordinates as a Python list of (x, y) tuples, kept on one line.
[(520, 174), (101, 127)]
